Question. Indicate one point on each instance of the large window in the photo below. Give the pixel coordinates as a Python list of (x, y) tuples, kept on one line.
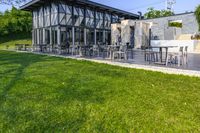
[(63, 37), (99, 20), (46, 16), (35, 19), (90, 37), (41, 20), (35, 37), (54, 14), (99, 37), (115, 19), (69, 15), (69, 36), (65, 14), (79, 36), (107, 23), (108, 37), (90, 18), (40, 36), (54, 34), (47, 36), (78, 16)]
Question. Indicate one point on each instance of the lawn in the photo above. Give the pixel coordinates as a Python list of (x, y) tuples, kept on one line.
[(49, 94)]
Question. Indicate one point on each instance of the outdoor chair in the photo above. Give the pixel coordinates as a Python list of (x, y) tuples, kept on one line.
[(104, 50), (121, 53), (186, 55), (176, 58), (95, 50)]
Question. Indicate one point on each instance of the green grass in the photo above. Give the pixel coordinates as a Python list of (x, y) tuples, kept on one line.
[(49, 94), (8, 42)]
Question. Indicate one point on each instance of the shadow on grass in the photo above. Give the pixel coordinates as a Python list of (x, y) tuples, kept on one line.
[(23, 60), (66, 95), (74, 89)]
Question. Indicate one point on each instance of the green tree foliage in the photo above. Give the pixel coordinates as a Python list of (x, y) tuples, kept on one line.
[(197, 13), (15, 21), (176, 24), (152, 13)]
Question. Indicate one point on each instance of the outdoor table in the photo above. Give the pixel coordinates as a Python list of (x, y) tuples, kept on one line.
[(22, 46), (26, 46), (161, 49), (85, 48)]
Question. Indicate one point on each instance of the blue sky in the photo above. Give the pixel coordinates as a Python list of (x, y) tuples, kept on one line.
[(141, 5)]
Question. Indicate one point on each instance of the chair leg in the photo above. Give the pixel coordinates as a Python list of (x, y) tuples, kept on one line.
[(179, 61)]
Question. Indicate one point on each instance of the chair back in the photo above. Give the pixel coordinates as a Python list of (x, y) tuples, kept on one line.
[(123, 48), (95, 47)]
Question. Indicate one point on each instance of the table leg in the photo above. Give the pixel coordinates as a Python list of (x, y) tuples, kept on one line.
[(166, 54), (161, 55)]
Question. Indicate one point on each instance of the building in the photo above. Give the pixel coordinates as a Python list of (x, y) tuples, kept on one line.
[(142, 32), (61, 23)]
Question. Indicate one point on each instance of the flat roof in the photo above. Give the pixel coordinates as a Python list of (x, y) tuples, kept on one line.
[(36, 3), (174, 15)]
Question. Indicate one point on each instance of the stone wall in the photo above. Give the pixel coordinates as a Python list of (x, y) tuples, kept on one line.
[(190, 26), (159, 27)]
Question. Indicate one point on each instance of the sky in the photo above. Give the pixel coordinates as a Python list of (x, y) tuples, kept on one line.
[(134, 6)]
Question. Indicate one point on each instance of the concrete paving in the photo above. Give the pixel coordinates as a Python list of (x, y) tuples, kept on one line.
[(136, 60)]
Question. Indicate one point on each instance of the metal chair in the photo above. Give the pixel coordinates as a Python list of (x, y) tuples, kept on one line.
[(176, 58), (95, 50), (121, 53)]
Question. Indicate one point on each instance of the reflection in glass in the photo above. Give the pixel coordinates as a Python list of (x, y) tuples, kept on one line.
[(35, 37), (69, 36), (90, 37), (99, 37), (47, 36), (40, 36), (54, 36), (108, 37), (79, 36), (89, 18), (63, 37), (99, 20)]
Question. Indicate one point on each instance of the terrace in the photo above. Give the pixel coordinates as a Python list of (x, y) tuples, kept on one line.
[(132, 58)]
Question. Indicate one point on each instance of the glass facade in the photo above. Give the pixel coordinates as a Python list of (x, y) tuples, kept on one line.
[(62, 24)]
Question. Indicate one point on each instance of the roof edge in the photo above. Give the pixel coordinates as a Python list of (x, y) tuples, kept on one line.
[(192, 12)]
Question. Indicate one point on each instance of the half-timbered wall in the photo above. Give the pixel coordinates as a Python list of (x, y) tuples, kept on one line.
[(59, 23)]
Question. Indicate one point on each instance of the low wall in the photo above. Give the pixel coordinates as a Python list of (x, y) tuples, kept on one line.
[(192, 44)]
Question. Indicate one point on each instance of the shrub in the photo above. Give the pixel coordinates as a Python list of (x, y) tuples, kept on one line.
[(197, 13)]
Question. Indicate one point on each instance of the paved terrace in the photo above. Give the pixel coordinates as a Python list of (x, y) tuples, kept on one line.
[(136, 60)]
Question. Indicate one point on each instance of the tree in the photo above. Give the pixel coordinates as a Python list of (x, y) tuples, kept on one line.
[(152, 13), (15, 21), (197, 13)]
